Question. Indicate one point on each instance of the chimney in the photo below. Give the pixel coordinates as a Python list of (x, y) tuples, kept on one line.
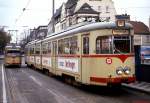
[(123, 16)]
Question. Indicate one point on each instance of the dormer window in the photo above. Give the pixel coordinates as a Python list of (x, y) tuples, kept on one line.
[(86, 8)]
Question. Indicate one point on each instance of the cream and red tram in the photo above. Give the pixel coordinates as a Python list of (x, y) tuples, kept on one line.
[(12, 55), (92, 54)]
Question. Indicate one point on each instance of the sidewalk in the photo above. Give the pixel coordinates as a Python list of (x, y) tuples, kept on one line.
[(141, 86)]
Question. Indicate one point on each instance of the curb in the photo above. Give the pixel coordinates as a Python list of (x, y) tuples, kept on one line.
[(141, 89)]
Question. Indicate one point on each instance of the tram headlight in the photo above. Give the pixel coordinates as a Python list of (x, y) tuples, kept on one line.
[(127, 70), (119, 71)]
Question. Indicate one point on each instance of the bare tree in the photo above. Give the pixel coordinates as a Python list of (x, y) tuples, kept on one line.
[(4, 39)]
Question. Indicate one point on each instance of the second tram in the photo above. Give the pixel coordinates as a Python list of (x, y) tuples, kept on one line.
[(12, 55)]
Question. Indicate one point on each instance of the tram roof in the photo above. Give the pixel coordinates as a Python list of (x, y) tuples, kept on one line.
[(86, 28), (83, 28)]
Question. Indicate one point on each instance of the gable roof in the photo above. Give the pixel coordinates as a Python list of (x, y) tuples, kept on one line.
[(58, 12), (71, 3), (86, 8), (139, 27)]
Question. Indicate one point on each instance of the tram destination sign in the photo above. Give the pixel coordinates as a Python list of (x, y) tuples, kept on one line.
[(119, 32)]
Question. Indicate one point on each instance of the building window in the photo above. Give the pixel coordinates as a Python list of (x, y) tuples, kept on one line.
[(107, 9), (99, 9), (86, 45), (64, 25)]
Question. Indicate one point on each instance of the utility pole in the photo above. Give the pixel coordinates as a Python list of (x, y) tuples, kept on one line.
[(53, 20), (149, 23), (16, 35)]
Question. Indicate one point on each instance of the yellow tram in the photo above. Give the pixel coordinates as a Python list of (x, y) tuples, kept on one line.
[(92, 54), (12, 55)]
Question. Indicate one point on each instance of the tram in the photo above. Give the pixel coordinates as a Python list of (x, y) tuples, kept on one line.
[(94, 54), (12, 55)]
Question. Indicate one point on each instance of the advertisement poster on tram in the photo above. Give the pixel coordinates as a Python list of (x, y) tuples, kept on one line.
[(68, 64)]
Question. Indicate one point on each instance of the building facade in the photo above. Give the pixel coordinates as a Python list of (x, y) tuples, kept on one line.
[(141, 33), (37, 33), (78, 11)]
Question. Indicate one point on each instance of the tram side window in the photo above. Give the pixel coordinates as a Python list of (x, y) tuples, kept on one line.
[(27, 50), (49, 48), (60, 46), (103, 45), (86, 45), (73, 45), (67, 45), (98, 46), (44, 48), (37, 49), (54, 43), (31, 50)]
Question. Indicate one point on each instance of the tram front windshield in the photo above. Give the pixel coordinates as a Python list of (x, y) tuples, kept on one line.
[(13, 52), (121, 44)]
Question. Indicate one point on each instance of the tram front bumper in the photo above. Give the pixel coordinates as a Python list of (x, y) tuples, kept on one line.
[(121, 80), (114, 80)]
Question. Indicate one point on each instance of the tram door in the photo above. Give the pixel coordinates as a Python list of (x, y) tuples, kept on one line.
[(85, 60), (54, 59)]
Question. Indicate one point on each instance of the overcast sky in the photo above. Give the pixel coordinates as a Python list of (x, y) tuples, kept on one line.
[(38, 12)]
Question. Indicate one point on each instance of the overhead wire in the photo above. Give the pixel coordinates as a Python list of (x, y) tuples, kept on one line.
[(23, 10)]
